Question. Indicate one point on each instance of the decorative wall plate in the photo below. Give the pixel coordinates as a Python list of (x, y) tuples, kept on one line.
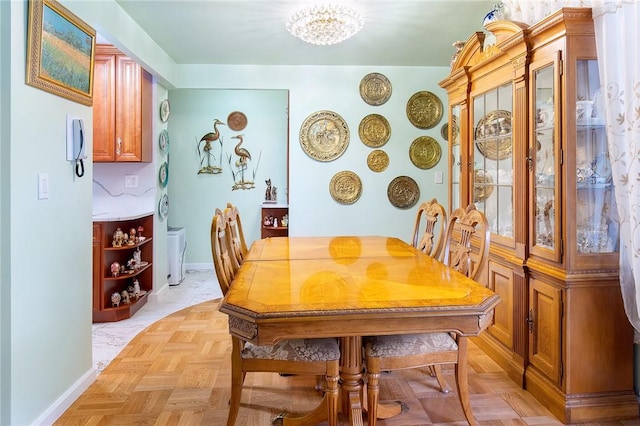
[(324, 136), (165, 110), (345, 187), (163, 207), (493, 135), (403, 192), (163, 141), (163, 175), (482, 185), (425, 152), (374, 130), (237, 121), (455, 131), (424, 110), (375, 89), (378, 160)]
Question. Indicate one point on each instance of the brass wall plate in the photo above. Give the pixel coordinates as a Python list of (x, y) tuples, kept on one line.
[(345, 187), (374, 130), (403, 192), (378, 160), (324, 136), (425, 152), (375, 89), (424, 110)]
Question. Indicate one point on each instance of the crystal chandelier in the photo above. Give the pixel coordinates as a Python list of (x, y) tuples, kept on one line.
[(325, 25)]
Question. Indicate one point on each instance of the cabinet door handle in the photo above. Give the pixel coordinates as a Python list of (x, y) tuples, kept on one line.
[(118, 146), (530, 320)]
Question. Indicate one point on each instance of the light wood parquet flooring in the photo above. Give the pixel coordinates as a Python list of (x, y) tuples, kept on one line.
[(177, 372)]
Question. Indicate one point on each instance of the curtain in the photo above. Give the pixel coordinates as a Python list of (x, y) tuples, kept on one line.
[(617, 29)]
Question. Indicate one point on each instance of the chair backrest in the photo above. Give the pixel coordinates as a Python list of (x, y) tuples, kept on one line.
[(220, 251), (239, 245), (430, 240), (466, 244)]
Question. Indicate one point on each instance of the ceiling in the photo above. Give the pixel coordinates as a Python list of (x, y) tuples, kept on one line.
[(252, 32)]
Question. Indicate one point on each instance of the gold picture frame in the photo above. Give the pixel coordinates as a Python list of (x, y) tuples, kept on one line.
[(60, 52)]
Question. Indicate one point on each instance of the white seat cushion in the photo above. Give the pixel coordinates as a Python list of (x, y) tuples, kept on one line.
[(398, 345), (295, 350)]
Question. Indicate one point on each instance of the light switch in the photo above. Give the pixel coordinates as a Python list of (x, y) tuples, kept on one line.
[(438, 178), (43, 186), (131, 181)]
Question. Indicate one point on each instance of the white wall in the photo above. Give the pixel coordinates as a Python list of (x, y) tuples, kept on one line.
[(47, 264), (312, 209)]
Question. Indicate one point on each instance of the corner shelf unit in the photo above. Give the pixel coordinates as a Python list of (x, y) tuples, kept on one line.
[(104, 254), (275, 211)]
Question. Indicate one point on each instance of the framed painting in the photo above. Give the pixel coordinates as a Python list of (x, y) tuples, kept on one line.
[(60, 52)]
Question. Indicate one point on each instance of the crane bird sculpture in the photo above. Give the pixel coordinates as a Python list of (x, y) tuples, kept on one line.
[(206, 153), (241, 165)]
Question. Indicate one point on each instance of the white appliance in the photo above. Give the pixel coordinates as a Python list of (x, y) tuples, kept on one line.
[(176, 249)]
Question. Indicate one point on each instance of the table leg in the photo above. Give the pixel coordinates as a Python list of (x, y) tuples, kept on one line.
[(351, 377), (462, 381), (318, 415)]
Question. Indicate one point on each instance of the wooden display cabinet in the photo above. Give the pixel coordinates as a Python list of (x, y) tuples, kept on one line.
[(105, 283), (122, 98), (532, 154), (271, 212)]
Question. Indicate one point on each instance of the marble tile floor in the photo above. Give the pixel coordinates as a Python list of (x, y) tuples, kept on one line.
[(110, 338)]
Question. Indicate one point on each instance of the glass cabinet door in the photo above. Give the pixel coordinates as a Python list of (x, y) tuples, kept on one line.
[(456, 158), (596, 217), (543, 152), (492, 171)]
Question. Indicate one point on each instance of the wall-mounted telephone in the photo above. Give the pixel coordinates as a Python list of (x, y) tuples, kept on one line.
[(76, 144)]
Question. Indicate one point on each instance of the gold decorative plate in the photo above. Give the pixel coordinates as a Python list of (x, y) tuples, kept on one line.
[(444, 131), (455, 131), (493, 135), (482, 185), (424, 110), (345, 187), (324, 136), (403, 192), (237, 121), (374, 130), (377, 160), (375, 89), (425, 152)]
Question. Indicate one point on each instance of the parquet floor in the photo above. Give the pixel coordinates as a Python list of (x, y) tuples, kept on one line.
[(177, 372)]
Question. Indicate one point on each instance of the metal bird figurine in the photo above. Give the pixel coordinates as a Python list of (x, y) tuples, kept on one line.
[(241, 152), (206, 150)]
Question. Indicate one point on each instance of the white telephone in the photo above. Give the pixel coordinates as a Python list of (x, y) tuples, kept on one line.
[(76, 144)]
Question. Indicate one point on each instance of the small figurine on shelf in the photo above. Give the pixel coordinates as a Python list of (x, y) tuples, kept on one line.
[(285, 220), (136, 288), (140, 237), (115, 299), (125, 297), (118, 238), (275, 222), (115, 269), (267, 221), (270, 194), (132, 237)]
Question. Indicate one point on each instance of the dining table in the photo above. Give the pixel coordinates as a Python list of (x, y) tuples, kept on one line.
[(349, 287)]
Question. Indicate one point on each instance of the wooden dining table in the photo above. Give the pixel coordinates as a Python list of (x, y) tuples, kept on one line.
[(349, 287)]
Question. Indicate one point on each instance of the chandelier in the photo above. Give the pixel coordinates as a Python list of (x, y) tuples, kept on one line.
[(324, 25)]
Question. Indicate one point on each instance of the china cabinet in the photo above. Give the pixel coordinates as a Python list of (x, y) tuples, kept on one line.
[(114, 271), (122, 97), (531, 153), (275, 220)]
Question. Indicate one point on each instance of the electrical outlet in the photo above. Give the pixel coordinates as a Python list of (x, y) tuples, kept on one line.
[(438, 177), (131, 181)]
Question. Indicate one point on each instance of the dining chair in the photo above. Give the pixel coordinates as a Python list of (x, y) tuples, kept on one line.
[(239, 245), (466, 249), (319, 357), (434, 217)]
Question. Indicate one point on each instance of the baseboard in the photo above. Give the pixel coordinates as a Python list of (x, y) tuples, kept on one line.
[(157, 293), (198, 266), (61, 405)]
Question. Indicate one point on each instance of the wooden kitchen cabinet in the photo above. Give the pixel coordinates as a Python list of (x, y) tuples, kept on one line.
[(528, 148), (122, 98), (105, 284)]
